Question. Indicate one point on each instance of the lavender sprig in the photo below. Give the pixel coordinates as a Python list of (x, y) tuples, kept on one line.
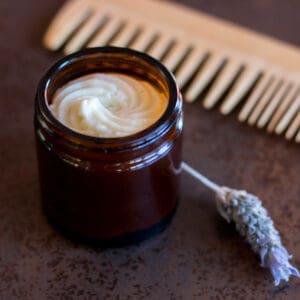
[(254, 224)]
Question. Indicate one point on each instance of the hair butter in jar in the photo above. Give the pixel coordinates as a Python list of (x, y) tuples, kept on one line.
[(108, 124)]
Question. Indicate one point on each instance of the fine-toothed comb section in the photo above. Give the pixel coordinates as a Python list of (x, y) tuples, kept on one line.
[(213, 60)]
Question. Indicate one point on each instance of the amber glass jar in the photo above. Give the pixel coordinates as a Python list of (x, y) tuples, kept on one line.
[(109, 191)]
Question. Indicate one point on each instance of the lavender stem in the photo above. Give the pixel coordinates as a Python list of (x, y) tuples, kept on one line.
[(204, 180)]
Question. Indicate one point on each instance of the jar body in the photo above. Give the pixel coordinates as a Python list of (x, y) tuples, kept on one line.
[(109, 195), (106, 204)]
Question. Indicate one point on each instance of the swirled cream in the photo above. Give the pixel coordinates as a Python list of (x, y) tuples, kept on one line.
[(108, 105)]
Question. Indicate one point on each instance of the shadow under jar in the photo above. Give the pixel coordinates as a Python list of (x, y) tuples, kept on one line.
[(109, 191)]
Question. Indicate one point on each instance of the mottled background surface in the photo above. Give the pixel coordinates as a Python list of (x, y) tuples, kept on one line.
[(199, 256)]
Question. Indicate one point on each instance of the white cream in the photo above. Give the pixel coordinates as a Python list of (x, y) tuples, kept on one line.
[(108, 105)]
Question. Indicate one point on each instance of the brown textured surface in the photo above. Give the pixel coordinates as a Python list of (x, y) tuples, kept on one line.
[(199, 256)]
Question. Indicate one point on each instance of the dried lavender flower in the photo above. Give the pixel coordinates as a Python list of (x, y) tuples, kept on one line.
[(254, 224)]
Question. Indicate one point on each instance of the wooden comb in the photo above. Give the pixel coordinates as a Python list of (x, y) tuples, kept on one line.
[(221, 62)]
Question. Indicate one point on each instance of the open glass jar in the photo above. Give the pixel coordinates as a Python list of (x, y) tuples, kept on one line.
[(109, 191)]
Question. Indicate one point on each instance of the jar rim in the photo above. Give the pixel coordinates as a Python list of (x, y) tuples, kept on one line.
[(141, 137)]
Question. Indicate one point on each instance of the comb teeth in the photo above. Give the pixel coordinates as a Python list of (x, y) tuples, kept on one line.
[(263, 101), (221, 84), (204, 77), (195, 47)]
